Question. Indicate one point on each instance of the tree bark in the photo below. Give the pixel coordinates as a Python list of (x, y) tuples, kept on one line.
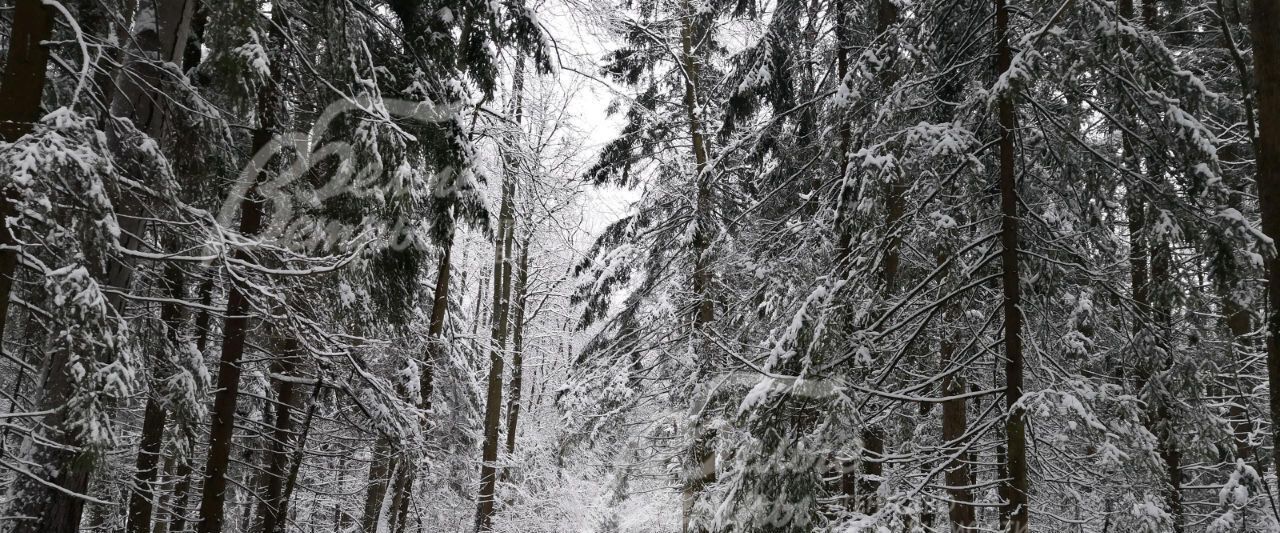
[(222, 416), (493, 396), (182, 497), (153, 421), (182, 490), (1266, 59), (20, 92), (517, 347), (703, 457), (63, 469), (955, 423), (271, 511), (702, 209), (435, 346), (299, 453), (501, 309), (382, 465), (1015, 426)]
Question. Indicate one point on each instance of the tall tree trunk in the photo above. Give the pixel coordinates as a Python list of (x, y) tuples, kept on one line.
[(20, 92), (493, 396), (1015, 425), (54, 500), (1238, 320), (401, 489), (435, 346), (186, 470), (704, 466), (222, 416), (1154, 323), (160, 524), (177, 522), (182, 497), (843, 43), (271, 511), (295, 465), (955, 423), (517, 349), (381, 467), (1266, 60), (702, 207), (501, 307), (861, 491), (1169, 451), (153, 421)]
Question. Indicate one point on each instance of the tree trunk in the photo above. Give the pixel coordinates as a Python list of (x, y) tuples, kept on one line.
[(501, 307), (703, 457), (153, 421), (20, 91), (702, 210), (1266, 59), (435, 346), (182, 497), (861, 491), (843, 44), (63, 469), (517, 347), (299, 453), (868, 485), (1015, 426), (160, 524), (271, 511), (493, 396), (222, 416), (182, 490), (955, 423), (381, 466), (400, 491)]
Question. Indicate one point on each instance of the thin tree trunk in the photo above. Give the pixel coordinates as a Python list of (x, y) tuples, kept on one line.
[(1240, 324), (146, 466), (160, 524), (868, 486), (186, 470), (1266, 59), (222, 416), (435, 345), (703, 456), (501, 307), (702, 209), (340, 516), (400, 491), (1169, 452), (153, 421), (295, 465), (20, 92), (271, 510), (435, 332), (843, 43), (861, 491), (955, 423), (182, 496), (493, 396), (484, 287), (517, 347), (1015, 426), (380, 469)]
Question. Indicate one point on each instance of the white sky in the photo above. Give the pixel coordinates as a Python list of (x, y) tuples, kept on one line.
[(581, 43)]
